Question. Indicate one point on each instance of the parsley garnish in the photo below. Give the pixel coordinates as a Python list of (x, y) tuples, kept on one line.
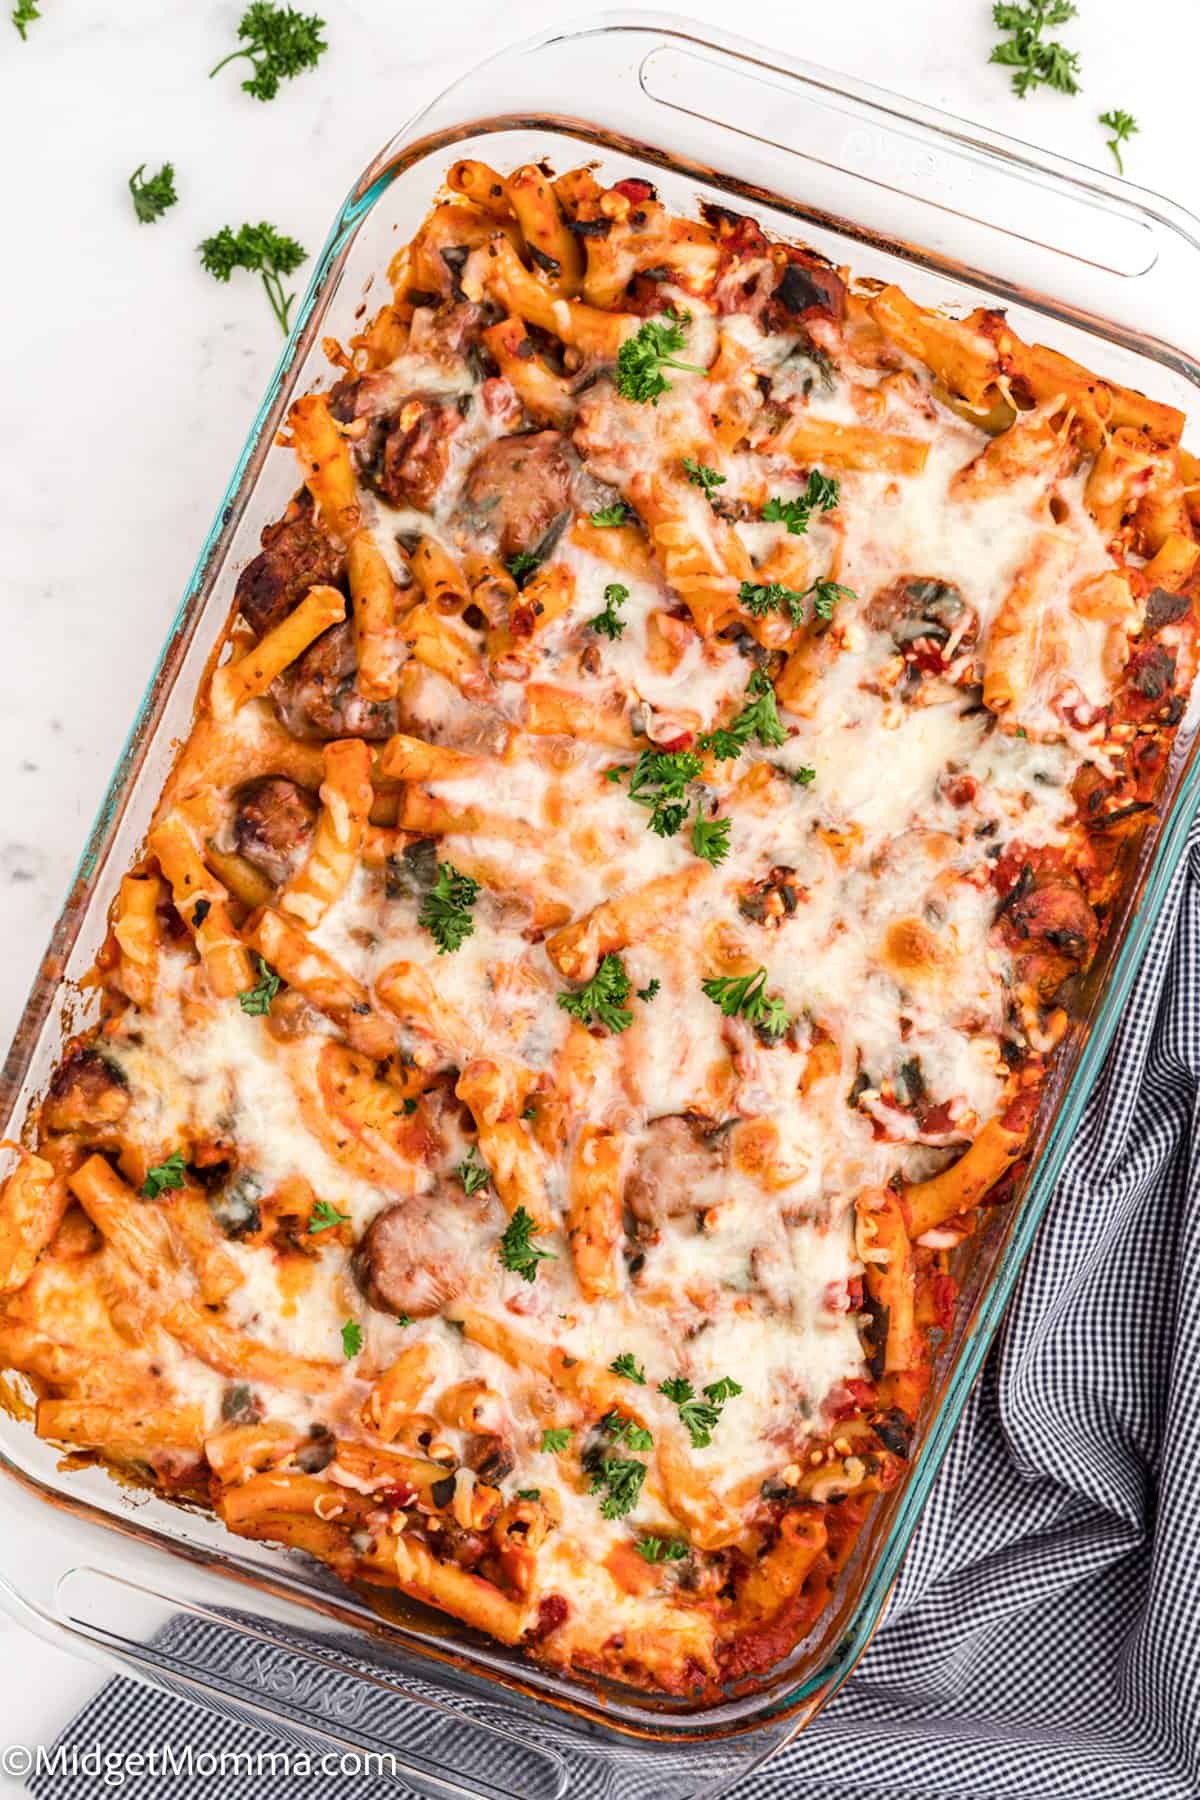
[(710, 838), (23, 15), (257, 1000), (472, 1173), (529, 1493), (324, 1217), (760, 599), (660, 1550), (518, 1252), (261, 250), (627, 1365), (280, 43), (151, 198), (701, 476), (647, 993), (522, 565), (599, 1001), (616, 514), (556, 1437), (623, 1478), (625, 1431), (410, 1105), (643, 357), (403, 1319), (746, 994), (614, 595), (658, 780), (803, 776), (352, 1338), (723, 743), (821, 494), (1122, 125), (444, 911), (701, 1416), (164, 1175), (775, 597), (1035, 62), (759, 719), (825, 596)]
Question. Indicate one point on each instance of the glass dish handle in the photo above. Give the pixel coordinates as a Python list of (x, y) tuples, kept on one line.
[(311, 1684), (835, 129), (995, 210)]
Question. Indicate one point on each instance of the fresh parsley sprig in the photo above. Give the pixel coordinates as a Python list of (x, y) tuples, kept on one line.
[(556, 1438), (279, 43), (352, 1339), (758, 718), (620, 1479), (701, 476), (600, 1001), (658, 780), (472, 1173), (616, 514), (519, 1254), (445, 910), (257, 1000), (710, 837), (746, 995), (1123, 125), (624, 1430), (643, 357), (23, 15), (154, 195), (660, 1550), (628, 1366), (260, 250), (761, 598), (821, 494), (650, 990), (607, 622), (1035, 61), (825, 595), (325, 1217), (701, 1415), (522, 565), (164, 1175)]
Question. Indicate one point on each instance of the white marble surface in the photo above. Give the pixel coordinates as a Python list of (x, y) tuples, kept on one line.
[(130, 377)]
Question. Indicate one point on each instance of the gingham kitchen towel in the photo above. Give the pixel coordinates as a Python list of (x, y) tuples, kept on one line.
[(1043, 1641)]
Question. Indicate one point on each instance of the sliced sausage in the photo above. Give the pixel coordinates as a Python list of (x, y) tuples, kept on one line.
[(520, 487), (1052, 910), (806, 285), (295, 556), (86, 1094), (416, 451), (675, 1168), (273, 825), (1164, 608), (416, 1255), (922, 606), (490, 1456), (1047, 920), (318, 698)]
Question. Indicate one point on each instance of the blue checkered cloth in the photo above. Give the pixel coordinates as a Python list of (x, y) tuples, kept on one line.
[(1043, 1640)]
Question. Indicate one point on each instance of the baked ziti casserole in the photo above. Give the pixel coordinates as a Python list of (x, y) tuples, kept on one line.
[(603, 941)]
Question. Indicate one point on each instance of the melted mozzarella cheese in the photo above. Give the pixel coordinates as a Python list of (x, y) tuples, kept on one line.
[(879, 819)]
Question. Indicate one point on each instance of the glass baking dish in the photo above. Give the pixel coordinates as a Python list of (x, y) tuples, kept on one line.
[(960, 217)]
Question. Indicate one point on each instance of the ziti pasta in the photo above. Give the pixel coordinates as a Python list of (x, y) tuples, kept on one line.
[(603, 942)]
